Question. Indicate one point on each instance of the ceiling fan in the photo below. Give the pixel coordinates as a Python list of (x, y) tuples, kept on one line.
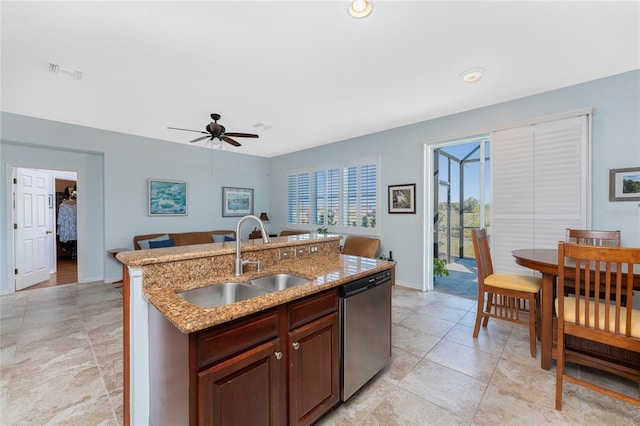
[(215, 130)]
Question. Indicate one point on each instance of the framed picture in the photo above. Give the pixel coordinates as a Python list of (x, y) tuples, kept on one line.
[(237, 201), (402, 198), (167, 198), (624, 184)]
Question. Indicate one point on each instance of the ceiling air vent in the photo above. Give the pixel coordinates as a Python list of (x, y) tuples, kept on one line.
[(60, 70)]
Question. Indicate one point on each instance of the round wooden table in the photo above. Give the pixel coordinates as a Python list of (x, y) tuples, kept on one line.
[(545, 261)]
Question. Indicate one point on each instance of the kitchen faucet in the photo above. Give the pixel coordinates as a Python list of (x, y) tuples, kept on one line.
[(265, 238)]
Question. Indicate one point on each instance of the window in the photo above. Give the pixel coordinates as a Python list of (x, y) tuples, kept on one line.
[(344, 199)]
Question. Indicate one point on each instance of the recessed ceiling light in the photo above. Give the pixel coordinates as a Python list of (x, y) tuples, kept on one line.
[(472, 75), (360, 8)]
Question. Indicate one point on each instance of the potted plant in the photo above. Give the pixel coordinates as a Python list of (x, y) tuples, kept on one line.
[(440, 267)]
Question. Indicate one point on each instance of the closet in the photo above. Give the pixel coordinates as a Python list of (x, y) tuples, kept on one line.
[(66, 230)]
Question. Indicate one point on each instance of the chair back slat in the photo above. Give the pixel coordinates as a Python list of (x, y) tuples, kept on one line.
[(483, 255), (593, 237)]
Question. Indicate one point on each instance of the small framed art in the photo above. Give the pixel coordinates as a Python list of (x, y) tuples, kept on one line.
[(402, 198), (237, 201), (624, 184), (167, 198)]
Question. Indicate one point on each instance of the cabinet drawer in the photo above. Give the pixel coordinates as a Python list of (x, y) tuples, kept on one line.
[(312, 307), (224, 341)]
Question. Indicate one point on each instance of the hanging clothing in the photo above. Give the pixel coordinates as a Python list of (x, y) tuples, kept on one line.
[(67, 222)]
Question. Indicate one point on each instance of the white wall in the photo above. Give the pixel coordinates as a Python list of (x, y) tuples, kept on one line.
[(113, 169), (616, 144)]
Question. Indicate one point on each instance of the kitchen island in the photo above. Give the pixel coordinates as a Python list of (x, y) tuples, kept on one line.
[(163, 330)]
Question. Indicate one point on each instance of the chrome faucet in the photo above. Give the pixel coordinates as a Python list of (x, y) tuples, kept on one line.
[(265, 238)]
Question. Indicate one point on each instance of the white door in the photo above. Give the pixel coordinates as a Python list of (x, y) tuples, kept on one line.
[(31, 231)]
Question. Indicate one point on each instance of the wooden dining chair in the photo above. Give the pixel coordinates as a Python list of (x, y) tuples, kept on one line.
[(505, 293), (593, 238), (597, 318)]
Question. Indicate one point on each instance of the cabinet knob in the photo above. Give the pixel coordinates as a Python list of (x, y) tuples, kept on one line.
[(296, 346), (278, 355)]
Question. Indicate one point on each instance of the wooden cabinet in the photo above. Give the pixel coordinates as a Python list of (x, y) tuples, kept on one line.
[(243, 390), (314, 357), (276, 367), (314, 370)]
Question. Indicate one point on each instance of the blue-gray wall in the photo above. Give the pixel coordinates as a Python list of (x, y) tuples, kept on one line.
[(616, 144), (114, 168)]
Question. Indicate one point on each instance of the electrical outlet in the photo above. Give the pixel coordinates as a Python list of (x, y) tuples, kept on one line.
[(313, 249), (285, 253), (300, 251)]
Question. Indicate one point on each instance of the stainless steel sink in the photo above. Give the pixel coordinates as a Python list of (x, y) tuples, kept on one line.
[(277, 282), (221, 294)]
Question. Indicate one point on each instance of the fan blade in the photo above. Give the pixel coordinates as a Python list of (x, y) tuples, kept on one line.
[(200, 139), (229, 140), (188, 130), (241, 135)]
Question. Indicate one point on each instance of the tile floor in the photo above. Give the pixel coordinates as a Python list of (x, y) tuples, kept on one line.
[(61, 356), (462, 280), (60, 363)]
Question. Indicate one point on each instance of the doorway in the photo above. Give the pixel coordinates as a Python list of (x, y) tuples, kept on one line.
[(45, 241), (461, 204)]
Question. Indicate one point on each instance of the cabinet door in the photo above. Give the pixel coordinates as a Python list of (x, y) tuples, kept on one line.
[(314, 370), (243, 390)]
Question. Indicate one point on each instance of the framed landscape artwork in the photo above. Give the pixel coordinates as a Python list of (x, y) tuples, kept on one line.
[(237, 201), (624, 184), (167, 198), (402, 198)]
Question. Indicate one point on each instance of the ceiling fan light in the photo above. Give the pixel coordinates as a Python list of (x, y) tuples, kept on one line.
[(472, 75), (360, 8)]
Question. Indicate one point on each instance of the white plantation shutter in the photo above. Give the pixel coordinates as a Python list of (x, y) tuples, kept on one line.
[(539, 187), (303, 198), (292, 198), (345, 199), (350, 196), (368, 195), (333, 197), (319, 197)]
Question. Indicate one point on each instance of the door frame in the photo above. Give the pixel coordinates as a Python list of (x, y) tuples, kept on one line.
[(429, 196), (11, 170)]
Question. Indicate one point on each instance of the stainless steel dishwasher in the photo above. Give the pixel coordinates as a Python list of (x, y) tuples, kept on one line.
[(365, 309)]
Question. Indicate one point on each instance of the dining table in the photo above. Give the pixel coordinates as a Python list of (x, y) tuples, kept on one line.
[(545, 261)]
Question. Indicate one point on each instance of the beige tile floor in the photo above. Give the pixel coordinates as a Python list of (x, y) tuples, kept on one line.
[(61, 363)]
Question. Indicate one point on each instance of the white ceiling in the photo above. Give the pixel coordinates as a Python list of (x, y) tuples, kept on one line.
[(308, 69)]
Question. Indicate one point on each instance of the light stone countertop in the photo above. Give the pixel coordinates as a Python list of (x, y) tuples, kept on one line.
[(172, 270)]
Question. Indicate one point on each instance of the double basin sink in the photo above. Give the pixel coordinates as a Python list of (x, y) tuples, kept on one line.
[(230, 292)]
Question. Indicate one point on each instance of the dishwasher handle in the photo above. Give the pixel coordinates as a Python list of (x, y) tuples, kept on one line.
[(363, 284)]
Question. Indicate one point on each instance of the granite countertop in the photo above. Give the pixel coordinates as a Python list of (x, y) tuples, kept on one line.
[(326, 271), (172, 254), (325, 274)]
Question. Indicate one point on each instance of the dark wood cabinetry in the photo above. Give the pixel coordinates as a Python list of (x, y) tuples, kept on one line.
[(314, 356), (314, 371), (243, 390), (277, 367)]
